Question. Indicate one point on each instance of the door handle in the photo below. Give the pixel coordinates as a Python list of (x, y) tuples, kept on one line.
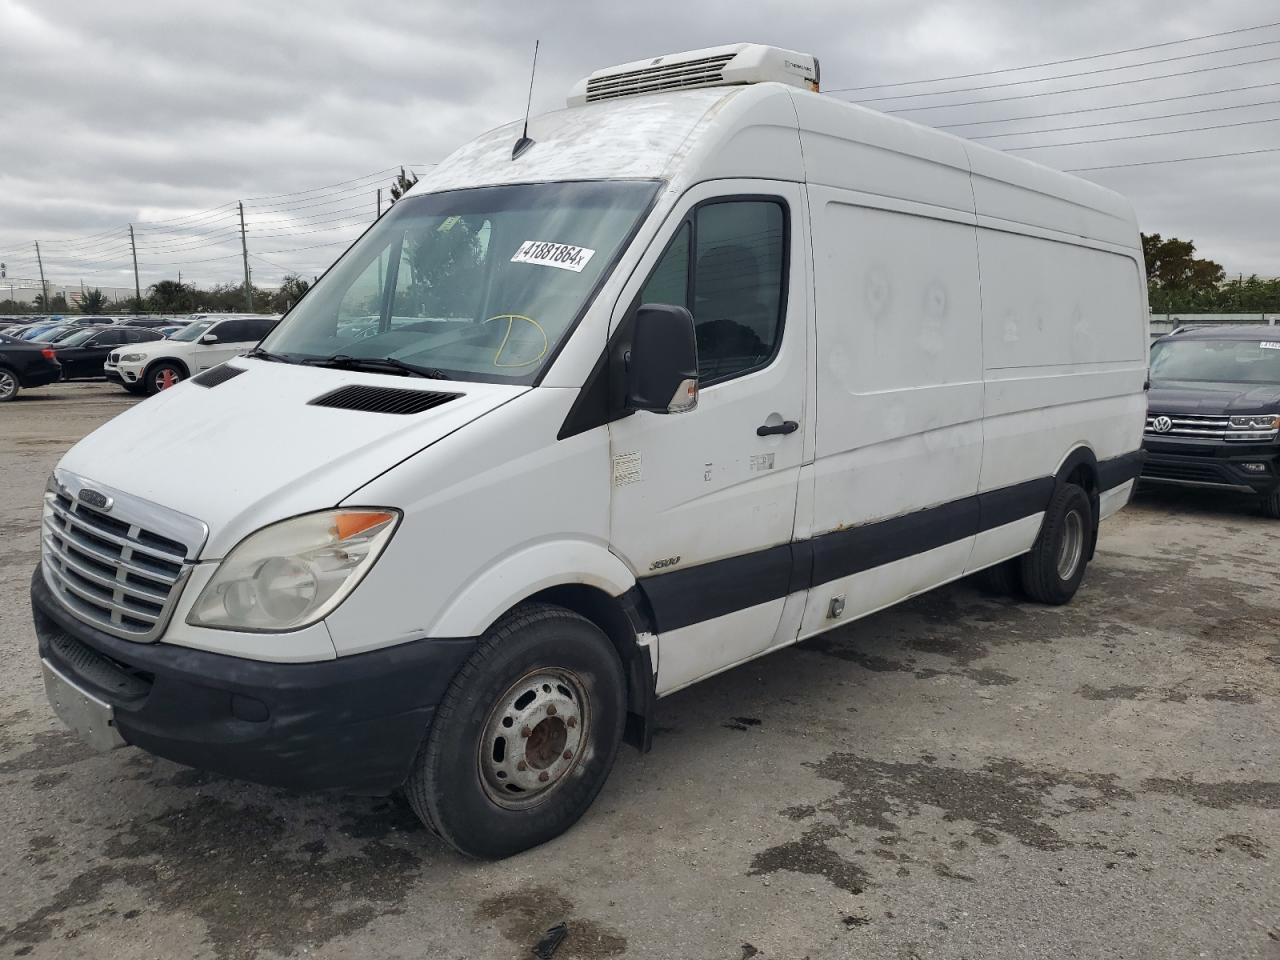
[(769, 430)]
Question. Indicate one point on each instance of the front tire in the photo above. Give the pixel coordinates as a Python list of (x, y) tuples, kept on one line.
[(1051, 572), (1271, 505), (162, 376), (525, 736)]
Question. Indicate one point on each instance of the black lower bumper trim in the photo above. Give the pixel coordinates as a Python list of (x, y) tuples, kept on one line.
[(354, 723)]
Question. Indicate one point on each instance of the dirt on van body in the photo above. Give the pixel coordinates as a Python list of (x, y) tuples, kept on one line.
[(962, 776)]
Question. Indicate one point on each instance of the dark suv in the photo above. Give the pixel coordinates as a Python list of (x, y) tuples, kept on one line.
[(25, 364), (1213, 415)]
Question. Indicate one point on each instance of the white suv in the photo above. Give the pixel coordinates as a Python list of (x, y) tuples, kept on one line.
[(205, 342)]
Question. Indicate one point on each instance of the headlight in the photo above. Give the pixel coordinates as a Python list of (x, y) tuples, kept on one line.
[(293, 573), (133, 357), (1264, 421)]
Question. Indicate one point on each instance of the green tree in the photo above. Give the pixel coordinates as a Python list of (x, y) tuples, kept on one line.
[(292, 287), (170, 296), (93, 302), (1176, 278), (400, 186)]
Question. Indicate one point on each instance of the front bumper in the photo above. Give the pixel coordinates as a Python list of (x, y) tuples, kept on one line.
[(1212, 464), (353, 724), (121, 374)]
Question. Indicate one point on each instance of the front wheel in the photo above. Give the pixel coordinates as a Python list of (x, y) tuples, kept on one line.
[(525, 736), (1271, 505), (8, 384), (1051, 572), (162, 376)]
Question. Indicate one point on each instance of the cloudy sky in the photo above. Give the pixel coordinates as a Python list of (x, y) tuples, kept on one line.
[(165, 114)]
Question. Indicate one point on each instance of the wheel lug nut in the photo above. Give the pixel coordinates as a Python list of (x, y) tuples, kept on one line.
[(551, 710), (571, 722), (522, 766), (525, 731), (568, 754), (544, 776)]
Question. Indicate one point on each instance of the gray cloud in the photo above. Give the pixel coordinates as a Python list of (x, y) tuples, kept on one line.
[(133, 111)]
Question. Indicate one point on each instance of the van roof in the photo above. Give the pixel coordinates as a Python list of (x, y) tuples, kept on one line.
[(749, 131)]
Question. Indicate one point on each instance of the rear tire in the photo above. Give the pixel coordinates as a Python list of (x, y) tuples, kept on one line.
[(1051, 572), (8, 384), (525, 736), (1271, 505), (162, 376)]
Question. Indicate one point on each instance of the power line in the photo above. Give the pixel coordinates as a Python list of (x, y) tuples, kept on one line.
[(1070, 76), (1151, 163), (1057, 63), (1142, 136), (1096, 86), (1117, 106), (1112, 123)]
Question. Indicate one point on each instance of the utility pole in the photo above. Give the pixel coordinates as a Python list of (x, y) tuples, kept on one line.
[(379, 213), (44, 287), (244, 247), (137, 287)]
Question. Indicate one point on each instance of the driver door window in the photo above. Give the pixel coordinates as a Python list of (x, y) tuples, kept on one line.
[(734, 286)]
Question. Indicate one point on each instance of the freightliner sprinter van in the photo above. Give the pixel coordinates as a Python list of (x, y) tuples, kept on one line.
[(712, 365)]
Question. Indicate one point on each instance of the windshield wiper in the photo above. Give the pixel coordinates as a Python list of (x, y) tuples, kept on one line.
[(342, 361), (258, 354)]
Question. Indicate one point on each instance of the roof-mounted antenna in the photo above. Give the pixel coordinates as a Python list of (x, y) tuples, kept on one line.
[(524, 143)]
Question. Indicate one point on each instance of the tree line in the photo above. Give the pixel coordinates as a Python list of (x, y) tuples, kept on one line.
[(170, 296), (1180, 282)]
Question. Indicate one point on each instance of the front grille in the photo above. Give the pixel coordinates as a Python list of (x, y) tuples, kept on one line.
[(109, 570), (1203, 428), (686, 75), (1186, 472)]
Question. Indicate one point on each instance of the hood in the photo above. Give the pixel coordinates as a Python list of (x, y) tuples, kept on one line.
[(250, 450), (1213, 399)]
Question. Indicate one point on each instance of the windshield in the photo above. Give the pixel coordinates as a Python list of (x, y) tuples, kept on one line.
[(192, 331), (52, 333), (478, 284), (1219, 361), (77, 338)]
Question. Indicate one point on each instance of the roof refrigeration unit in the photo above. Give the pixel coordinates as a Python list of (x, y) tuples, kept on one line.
[(730, 65)]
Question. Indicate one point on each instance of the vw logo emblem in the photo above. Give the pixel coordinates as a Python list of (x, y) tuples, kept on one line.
[(92, 498), (1161, 424)]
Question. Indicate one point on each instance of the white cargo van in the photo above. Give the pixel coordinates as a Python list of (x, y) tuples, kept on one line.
[(715, 364)]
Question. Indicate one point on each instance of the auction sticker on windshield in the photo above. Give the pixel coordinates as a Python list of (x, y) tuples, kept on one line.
[(544, 253), (1269, 345)]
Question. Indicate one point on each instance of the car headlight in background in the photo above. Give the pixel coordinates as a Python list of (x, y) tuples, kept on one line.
[(1258, 426), (293, 573), (132, 357)]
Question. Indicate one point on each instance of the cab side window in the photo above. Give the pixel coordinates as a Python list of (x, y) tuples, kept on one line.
[(734, 283)]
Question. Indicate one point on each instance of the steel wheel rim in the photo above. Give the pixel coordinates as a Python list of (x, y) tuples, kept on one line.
[(533, 737), (1072, 546), (8, 385)]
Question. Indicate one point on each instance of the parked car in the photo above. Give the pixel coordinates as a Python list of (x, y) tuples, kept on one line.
[(722, 369), (1213, 420), (61, 332), (148, 368), (83, 353), (25, 364), (35, 329)]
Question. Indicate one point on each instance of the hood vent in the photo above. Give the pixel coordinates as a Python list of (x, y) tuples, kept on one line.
[(382, 399), (735, 64), (216, 375)]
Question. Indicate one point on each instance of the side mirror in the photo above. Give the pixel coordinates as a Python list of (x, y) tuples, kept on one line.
[(209, 338), (662, 366)]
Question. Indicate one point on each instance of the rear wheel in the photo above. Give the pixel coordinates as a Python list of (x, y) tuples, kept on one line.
[(162, 376), (1271, 505), (8, 384), (1051, 572), (525, 736)]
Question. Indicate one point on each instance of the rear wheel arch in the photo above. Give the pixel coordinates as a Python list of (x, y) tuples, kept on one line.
[(1080, 467)]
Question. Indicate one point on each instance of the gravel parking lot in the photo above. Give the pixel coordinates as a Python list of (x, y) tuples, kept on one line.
[(960, 777)]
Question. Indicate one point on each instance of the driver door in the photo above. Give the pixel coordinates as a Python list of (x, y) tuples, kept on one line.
[(704, 503)]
